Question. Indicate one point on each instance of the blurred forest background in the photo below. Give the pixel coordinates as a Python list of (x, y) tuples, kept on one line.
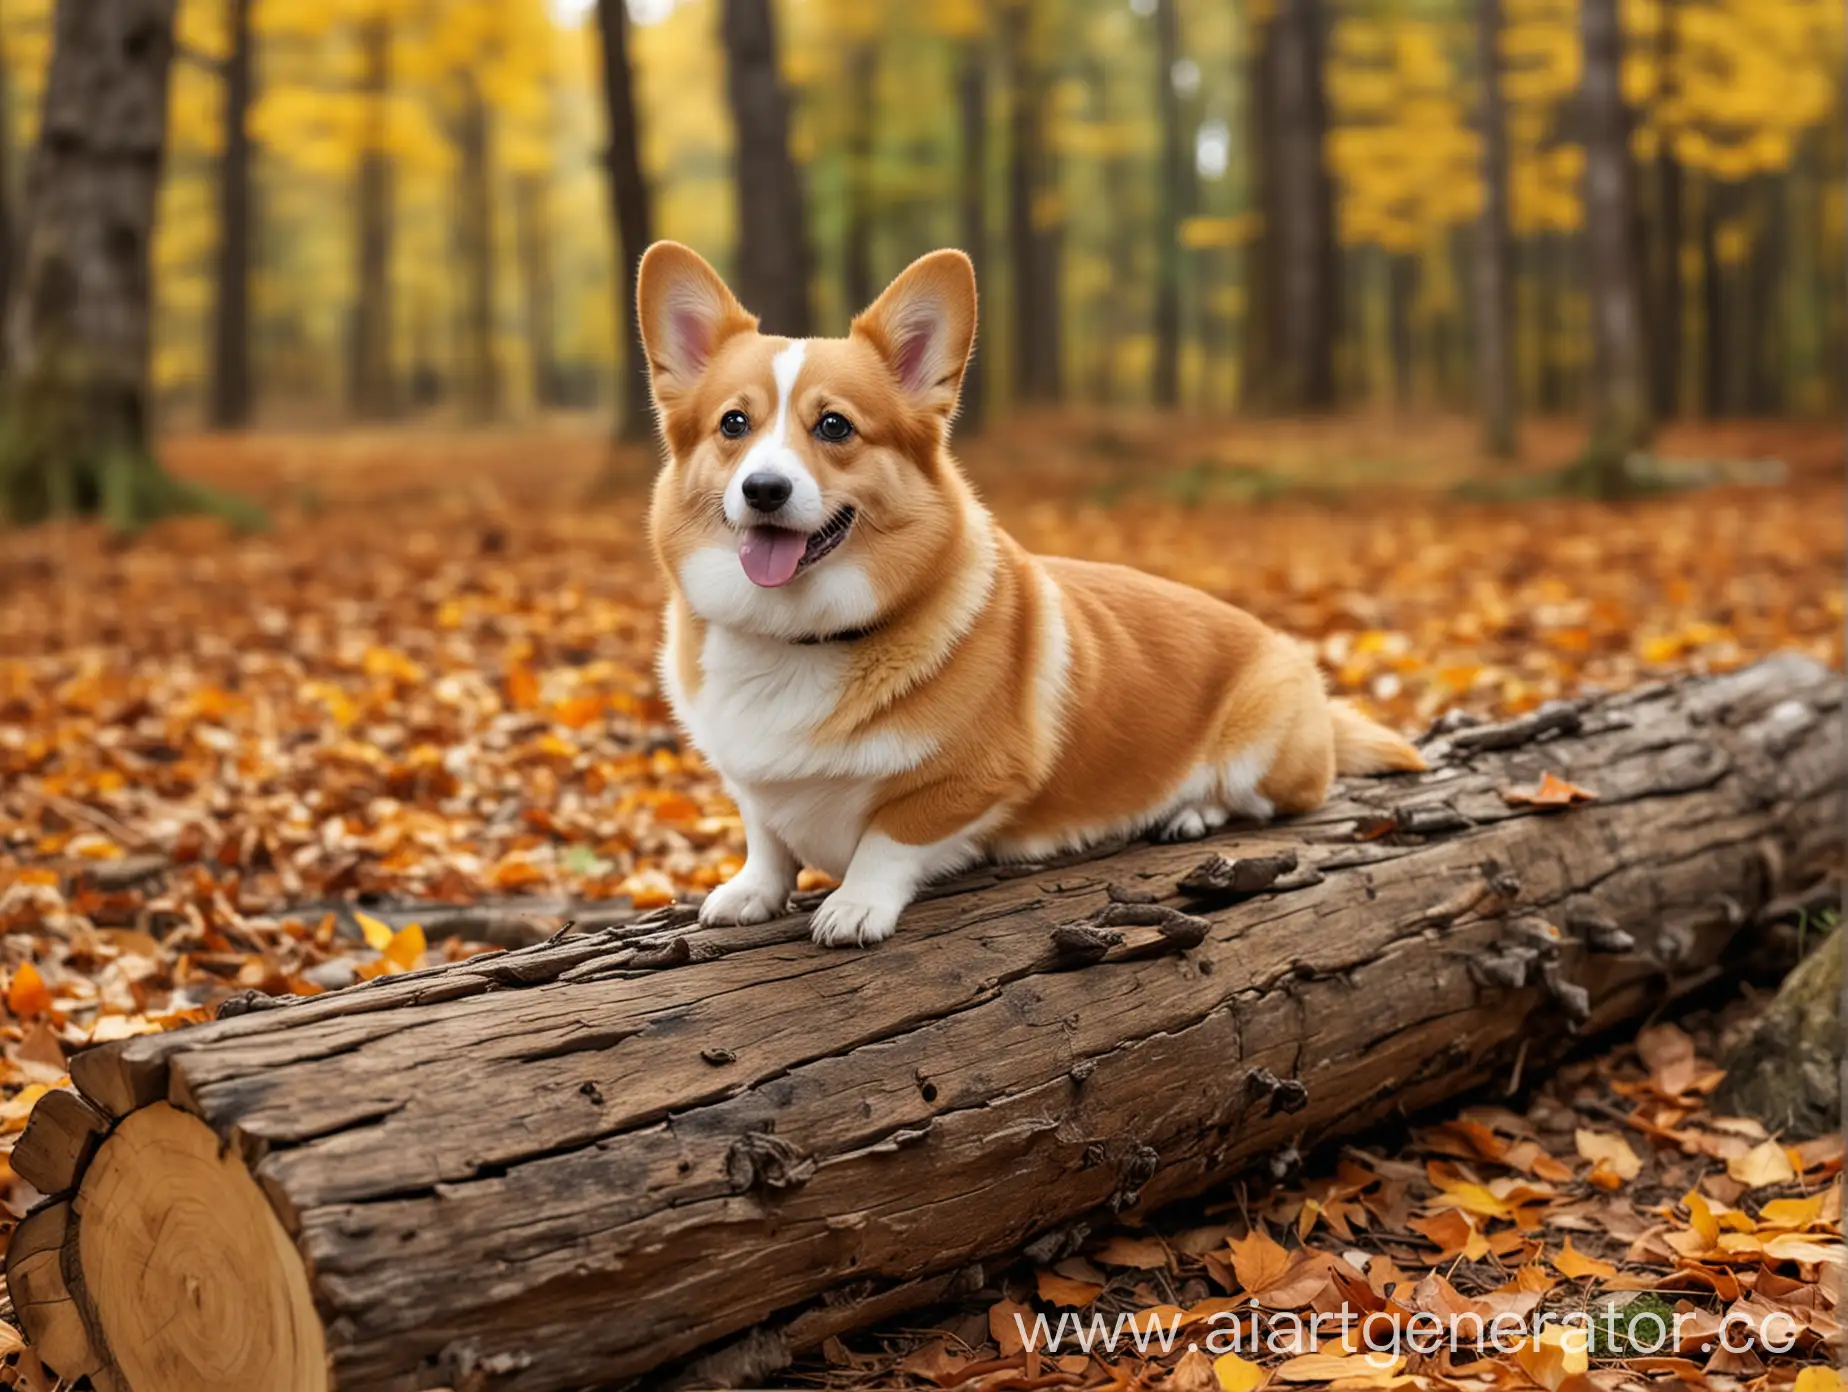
[(378, 210)]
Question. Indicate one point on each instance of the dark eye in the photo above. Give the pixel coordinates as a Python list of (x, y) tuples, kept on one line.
[(834, 427), (734, 425)]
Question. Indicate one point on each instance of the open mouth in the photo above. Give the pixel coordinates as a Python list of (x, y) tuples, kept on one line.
[(773, 556)]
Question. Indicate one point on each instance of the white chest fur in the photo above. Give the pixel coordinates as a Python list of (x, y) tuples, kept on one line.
[(756, 716)]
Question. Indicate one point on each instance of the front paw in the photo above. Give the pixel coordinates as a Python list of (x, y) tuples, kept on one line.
[(841, 921), (744, 898)]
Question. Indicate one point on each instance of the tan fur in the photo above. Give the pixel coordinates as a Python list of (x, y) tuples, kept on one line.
[(1159, 681)]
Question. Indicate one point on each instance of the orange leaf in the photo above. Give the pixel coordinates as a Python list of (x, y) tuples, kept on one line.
[(406, 947), (26, 993), (1258, 1262), (1575, 1265), (1062, 1290), (1550, 791)]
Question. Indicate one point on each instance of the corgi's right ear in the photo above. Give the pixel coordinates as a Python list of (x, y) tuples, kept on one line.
[(686, 312)]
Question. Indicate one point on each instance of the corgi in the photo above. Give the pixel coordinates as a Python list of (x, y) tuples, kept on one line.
[(890, 686)]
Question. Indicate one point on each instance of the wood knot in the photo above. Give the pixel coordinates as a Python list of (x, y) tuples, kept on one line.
[(1138, 1169), (763, 1160), (1280, 1094), (1081, 944), (244, 1002), (1223, 877)]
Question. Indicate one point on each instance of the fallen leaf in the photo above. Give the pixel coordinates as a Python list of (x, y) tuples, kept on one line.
[(1554, 1355), (1576, 1266), (1006, 1320), (1763, 1165), (1609, 1152), (1143, 1253), (1331, 1367), (1236, 1374), (378, 933), (1258, 1261), (1062, 1290), (27, 994), (1550, 791)]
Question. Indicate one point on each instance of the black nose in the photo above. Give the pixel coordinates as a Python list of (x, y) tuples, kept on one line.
[(766, 492)]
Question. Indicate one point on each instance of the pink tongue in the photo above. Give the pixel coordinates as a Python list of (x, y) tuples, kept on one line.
[(770, 555)]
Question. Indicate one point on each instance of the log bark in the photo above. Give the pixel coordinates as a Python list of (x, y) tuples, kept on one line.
[(577, 1164)]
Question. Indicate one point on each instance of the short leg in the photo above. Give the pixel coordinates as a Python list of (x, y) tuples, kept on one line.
[(883, 877), (761, 888)]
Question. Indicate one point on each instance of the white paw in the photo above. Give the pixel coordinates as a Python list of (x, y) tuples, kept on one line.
[(744, 898), (1191, 823), (844, 922)]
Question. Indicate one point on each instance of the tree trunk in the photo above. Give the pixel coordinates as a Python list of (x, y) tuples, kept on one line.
[(972, 206), (1764, 273), (1263, 308), (229, 408), (1716, 327), (371, 364), (645, 1141), (1620, 371), (1033, 232), (1665, 320), (1171, 174), (481, 385), (774, 261), (858, 285), (631, 213), (1401, 289), (6, 204), (533, 229), (75, 433), (1494, 273), (1307, 260)]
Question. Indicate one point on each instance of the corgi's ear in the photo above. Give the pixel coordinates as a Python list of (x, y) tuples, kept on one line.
[(924, 326), (686, 312)]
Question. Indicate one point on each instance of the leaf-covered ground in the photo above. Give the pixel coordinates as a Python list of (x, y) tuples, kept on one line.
[(253, 762), (1625, 1237)]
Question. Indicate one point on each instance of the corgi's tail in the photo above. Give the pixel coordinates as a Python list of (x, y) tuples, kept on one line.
[(1361, 746)]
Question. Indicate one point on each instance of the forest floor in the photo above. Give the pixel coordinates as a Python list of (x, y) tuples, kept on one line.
[(230, 762)]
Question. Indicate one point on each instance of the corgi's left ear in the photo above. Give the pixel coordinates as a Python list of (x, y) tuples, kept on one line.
[(924, 326)]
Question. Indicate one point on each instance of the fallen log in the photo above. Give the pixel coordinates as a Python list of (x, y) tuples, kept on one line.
[(588, 1161)]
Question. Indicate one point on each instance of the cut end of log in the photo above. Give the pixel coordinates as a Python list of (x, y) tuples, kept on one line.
[(190, 1280)]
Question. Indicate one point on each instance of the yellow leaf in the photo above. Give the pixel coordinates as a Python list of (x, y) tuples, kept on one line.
[(1796, 1215), (1611, 1151), (1471, 1198), (1327, 1367), (1817, 1379), (1235, 1374), (1575, 1265), (406, 947), (1764, 1164), (1555, 1354), (1701, 1219), (378, 935)]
